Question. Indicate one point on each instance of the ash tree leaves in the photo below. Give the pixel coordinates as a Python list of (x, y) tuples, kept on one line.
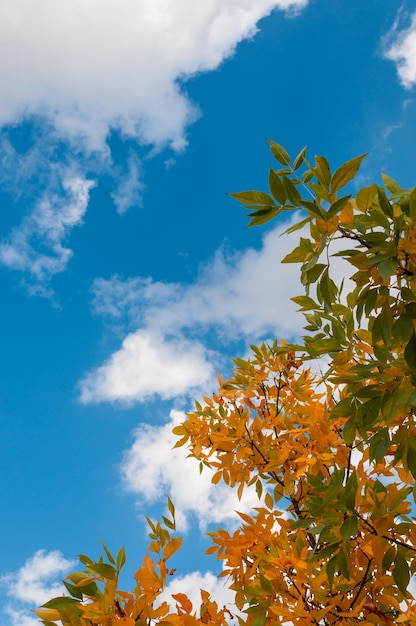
[(331, 455), (348, 485)]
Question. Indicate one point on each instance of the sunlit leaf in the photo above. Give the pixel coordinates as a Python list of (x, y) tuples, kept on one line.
[(346, 173)]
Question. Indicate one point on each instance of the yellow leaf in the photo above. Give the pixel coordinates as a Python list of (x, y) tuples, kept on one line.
[(49, 615), (268, 501), (347, 214), (327, 226)]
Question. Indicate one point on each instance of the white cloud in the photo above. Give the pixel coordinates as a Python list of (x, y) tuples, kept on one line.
[(36, 582), (239, 296), (147, 364), (153, 469), (88, 67), (400, 47)]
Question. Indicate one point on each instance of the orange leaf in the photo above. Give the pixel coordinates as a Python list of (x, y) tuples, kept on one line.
[(172, 547)]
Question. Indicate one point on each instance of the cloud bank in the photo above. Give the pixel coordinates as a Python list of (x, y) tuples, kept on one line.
[(91, 67), (236, 297)]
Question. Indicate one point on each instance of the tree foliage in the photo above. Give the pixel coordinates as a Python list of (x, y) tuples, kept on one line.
[(324, 429)]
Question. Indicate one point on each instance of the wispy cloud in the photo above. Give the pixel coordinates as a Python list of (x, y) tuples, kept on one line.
[(400, 47), (34, 583), (236, 297), (129, 188), (37, 244)]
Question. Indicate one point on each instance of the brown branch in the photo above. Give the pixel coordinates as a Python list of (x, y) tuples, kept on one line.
[(356, 237), (363, 582), (386, 537)]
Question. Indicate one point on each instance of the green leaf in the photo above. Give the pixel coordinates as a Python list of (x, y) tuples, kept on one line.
[(337, 206), (168, 523), (403, 328), (379, 444), (322, 346), (384, 203), (75, 591), (253, 197), (277, 187), (401, 573), (311, 276), (387, 268), (108, 553), (411, 309), (308, 175), (328, 289), (351, 489), (265, 584), (390, 183), (327, 551), (349, 431), (411, 460), (408, 294), (349, 528), (365, 197), (412, 204), (410, 353), (90, 589), (279, 153), (343, 565), (261, 216), (84, 559), (260, 620), (259, 488), (310, 263), (388, 559), (305, 302), (299, 159), (322, 171), (346, 172), (297, 226), (331, 566), (60, 603), (103, 569), (313, 208), (121, 557), (321, 192), (292, 193), (303, 251)]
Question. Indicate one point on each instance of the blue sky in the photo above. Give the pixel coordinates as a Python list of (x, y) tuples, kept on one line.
[(128, 276)]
